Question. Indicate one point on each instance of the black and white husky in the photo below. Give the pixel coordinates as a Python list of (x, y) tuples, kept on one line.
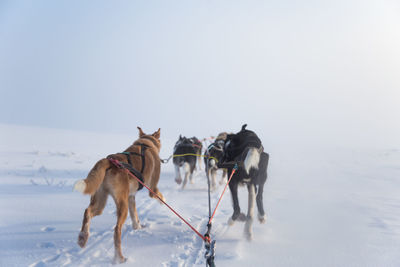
[(245, 149), (212, 156), (184, 157)]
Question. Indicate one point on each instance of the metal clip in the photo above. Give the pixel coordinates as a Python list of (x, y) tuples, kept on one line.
[(210, 253), (165, 160)]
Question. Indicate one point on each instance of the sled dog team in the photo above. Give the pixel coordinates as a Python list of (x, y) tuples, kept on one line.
[(242, 151)]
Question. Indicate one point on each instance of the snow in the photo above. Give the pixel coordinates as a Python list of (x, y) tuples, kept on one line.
[(325, 207)]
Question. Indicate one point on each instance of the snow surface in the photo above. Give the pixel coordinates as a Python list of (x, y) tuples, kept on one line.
[(325, 207)]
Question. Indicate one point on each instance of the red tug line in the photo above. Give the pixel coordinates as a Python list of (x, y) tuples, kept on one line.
[(205, 238)]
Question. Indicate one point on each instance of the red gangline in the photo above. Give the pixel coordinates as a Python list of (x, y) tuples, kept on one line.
[(118, 164)]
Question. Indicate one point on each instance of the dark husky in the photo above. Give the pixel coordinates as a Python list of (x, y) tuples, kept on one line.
[(245, 148), (212, 156), (185, 155)]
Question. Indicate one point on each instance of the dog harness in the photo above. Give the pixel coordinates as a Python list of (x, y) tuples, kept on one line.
[(129, 166)]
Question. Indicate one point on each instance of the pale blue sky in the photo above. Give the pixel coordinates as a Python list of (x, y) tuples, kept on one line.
[(295, 71)]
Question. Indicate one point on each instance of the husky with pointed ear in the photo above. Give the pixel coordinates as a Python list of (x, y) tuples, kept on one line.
[(105, 179), (245, 150), (184, 157), (212, 156)]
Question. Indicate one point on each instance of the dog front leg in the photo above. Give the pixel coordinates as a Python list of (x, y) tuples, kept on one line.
[(186, 170)]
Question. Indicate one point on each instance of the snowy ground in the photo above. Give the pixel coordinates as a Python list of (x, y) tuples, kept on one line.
[(325, 207)]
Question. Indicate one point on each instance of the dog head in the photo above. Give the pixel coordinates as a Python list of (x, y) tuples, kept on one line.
[(183, 141), (156, 134)]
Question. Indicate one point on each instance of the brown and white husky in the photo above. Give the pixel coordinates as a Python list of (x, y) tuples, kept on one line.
[(106, 179)]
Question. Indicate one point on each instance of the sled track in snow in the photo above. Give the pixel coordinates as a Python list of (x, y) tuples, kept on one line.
[(99, 243), (194, 251), (188, 247)]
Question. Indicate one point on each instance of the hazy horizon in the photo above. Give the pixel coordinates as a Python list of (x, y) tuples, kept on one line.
[(318, 72)]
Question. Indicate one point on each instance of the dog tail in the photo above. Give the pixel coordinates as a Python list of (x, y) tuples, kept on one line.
[(252, 159), (94, 179)]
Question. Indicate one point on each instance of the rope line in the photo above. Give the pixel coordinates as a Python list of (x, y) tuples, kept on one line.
[(219, 200), (119, 165), (188, 154), (209, 245)]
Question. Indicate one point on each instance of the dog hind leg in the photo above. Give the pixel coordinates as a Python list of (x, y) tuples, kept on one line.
[(122, 213), (133, 213), (199, 159), (262, 178), (237, 215), (248, 231), (192, 168), (260, 205), (178, 178), (96, 207), (186, 170)]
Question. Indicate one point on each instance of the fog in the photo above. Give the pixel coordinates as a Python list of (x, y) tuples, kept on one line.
[(322, 73)]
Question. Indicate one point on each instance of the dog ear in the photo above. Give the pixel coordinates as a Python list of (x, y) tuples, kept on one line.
[(157, 133), (180, 137), (141, 133), (244, 127)]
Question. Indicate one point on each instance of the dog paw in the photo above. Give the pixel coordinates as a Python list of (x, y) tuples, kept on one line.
[(242, 217), (262, 218), (82, 239), (161, 199), (248, 235), (248, 231), (119, 260), (213, 186), (178, 180), (136, 226)]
